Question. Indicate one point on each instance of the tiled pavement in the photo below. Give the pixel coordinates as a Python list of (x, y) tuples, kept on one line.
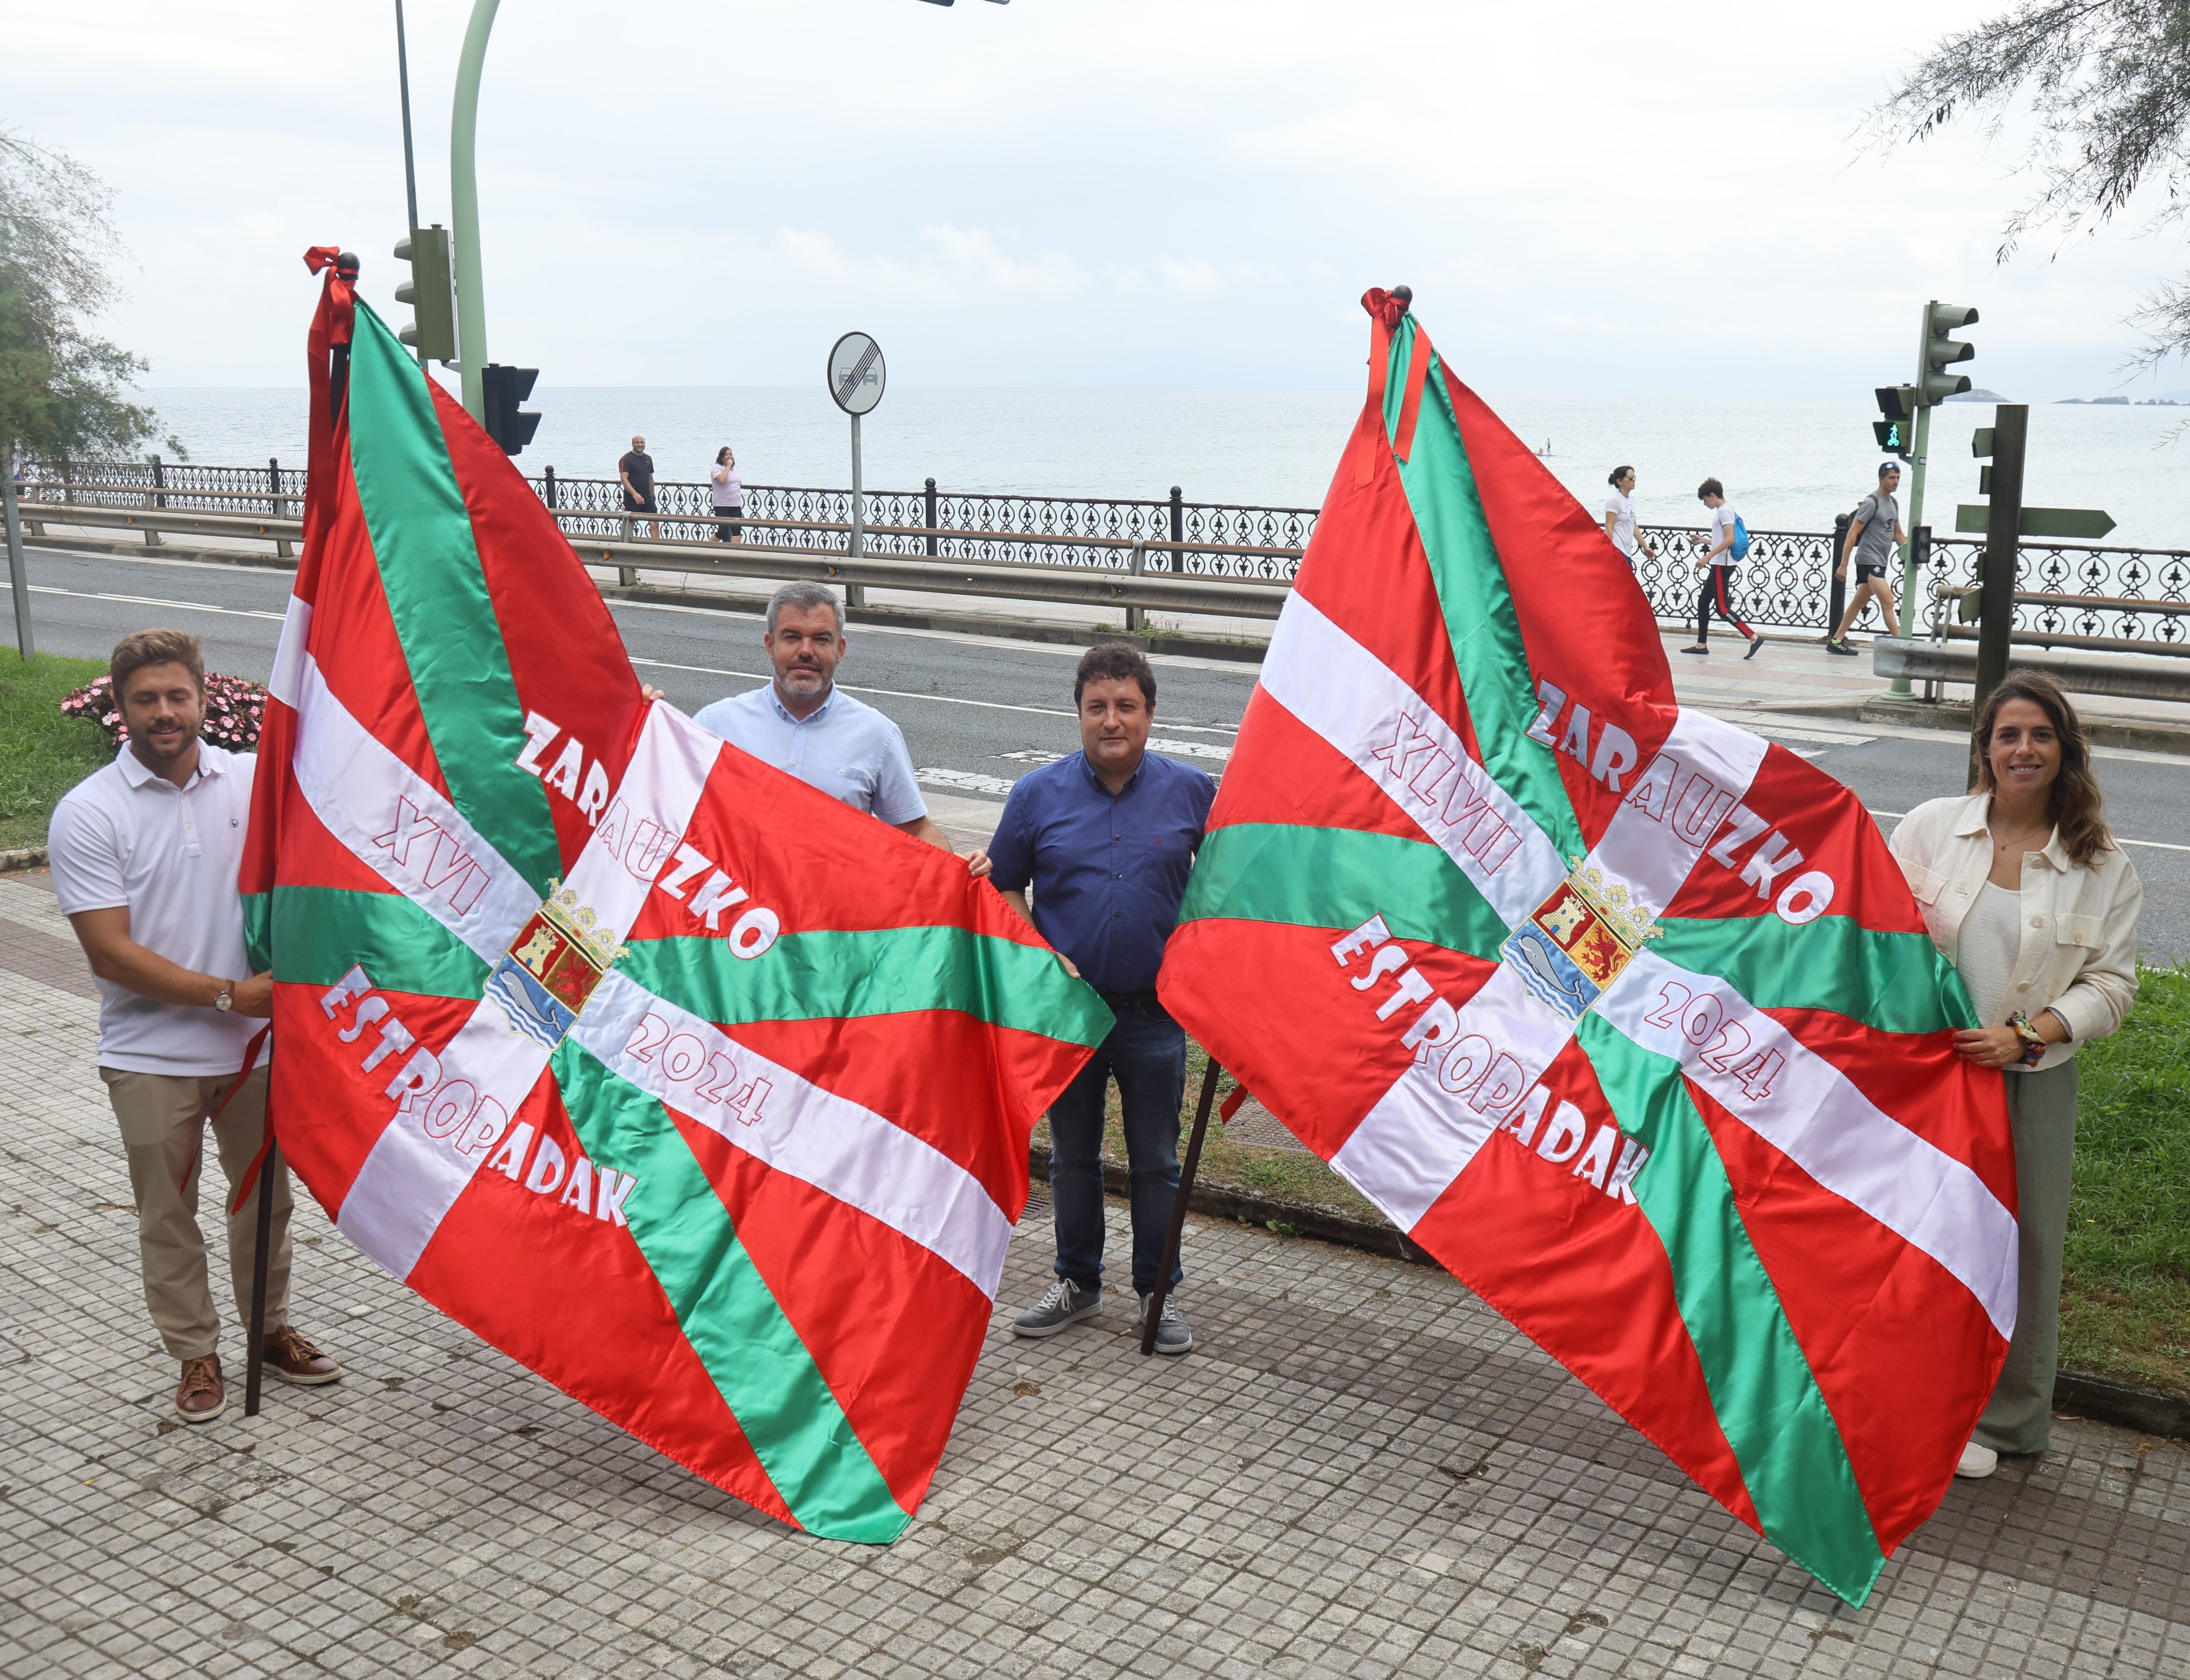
[(1362, 1470)]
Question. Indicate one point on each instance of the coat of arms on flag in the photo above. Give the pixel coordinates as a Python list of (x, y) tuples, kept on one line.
[(701, 1095), (1623, 1013)]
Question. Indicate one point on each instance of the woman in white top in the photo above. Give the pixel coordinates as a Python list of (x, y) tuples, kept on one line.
[(2023, 888), (1619, 515), (727, 493)]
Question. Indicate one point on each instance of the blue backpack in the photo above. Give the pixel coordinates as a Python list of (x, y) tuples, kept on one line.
[(1739, 548)]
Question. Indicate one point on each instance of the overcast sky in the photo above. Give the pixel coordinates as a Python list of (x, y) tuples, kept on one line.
[(1587, 197)]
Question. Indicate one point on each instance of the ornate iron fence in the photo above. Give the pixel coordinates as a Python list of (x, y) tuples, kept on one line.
[(2072, 594), (2077, 595), (1785, 583), (998, 528)]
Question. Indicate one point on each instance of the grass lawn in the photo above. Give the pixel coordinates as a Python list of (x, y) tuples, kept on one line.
[(2125, 1301), (42, 754), (2125, 1297)]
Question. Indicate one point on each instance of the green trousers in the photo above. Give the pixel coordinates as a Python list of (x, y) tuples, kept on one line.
[(2041, 1107)]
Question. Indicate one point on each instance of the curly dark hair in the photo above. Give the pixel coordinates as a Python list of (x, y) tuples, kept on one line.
[(2075, 797), (1113, 662)]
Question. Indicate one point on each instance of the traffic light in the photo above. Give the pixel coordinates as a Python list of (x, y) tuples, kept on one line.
[(433, 333), (503, 388), (1941, 352), (1896, 432)]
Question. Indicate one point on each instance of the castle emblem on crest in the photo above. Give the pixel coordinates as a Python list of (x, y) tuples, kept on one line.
[(551, 967), (1578, 940)]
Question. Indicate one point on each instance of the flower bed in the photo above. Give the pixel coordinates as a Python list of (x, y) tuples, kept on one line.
[(233, 708)]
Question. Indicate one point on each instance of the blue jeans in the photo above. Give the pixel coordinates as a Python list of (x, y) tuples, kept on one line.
[(1146, 1053)]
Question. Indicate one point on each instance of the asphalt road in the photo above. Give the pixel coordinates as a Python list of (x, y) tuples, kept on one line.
[(980, 712)]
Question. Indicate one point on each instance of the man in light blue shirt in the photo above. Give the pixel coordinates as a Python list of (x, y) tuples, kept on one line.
[(802, 724)]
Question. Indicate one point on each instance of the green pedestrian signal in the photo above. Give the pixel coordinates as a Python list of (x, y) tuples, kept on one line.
[(1896, 431), (433, 332), (1943, 351)]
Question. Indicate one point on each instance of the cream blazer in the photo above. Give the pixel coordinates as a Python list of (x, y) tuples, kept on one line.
[(2079, 922)]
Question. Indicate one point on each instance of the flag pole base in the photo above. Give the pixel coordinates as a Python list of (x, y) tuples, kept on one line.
[(255, 1366), (1162, 1290)]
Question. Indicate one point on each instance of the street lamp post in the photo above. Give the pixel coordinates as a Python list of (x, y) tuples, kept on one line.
[(463, 207)]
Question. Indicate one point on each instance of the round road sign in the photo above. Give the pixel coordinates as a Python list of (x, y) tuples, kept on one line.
[(856, 373)]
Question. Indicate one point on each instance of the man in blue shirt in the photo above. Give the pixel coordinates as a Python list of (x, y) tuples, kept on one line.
[(800, 723), (1106, 839)]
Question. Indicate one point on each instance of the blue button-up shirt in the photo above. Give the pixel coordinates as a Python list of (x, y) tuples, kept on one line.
[(1107, 869), (843, 747)]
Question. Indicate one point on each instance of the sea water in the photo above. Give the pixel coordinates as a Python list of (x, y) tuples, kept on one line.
[(1787, 463)]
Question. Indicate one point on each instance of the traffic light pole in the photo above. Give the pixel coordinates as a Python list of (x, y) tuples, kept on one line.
[(19, 579), (2010, 431), (463, 209), (409, 165), (1910, 571)]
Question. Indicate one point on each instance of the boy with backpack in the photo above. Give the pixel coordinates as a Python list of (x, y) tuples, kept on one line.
[(1871, 538), (1726, 544)]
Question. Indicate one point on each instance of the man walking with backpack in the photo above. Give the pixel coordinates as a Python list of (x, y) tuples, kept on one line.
[(1871, 540), (1725, 544)]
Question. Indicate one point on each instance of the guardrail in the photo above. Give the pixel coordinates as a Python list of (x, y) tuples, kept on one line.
[(2077, 670), (2119, 599), (1137, 593)]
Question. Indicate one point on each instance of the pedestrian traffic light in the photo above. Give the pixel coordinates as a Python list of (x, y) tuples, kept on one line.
[(1935, 384), (433, 333), (503, 388), (1896, 431)]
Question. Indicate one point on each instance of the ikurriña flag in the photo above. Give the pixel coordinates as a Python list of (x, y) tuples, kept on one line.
[(701, 1095), (1623, 1013)]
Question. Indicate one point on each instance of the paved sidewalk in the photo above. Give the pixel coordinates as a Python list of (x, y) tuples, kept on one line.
[(1362, 1470)]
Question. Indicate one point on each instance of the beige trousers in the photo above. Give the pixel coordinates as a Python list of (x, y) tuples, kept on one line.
[(2041, 1109), (163, 1126)]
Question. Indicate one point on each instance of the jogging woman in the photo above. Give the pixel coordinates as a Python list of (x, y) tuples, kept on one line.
[(1717, 565)]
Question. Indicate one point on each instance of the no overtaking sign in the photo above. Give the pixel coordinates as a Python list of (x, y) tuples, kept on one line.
[(856, 373)]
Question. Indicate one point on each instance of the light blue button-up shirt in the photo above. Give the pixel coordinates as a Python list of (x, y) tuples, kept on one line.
[(846, 748)]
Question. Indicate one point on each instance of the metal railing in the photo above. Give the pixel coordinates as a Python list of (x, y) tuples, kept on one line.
[(2070, 595), (1208, 539)]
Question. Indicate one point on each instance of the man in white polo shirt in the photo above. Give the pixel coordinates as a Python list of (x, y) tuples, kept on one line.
[(803, 723), (144, 854)]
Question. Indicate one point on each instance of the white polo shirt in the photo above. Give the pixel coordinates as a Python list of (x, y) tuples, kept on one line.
[(846, 748), (124, 836)]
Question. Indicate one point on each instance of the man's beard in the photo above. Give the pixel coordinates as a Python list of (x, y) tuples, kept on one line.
[(168, 747)]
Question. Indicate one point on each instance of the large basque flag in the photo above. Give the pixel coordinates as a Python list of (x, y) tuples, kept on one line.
[(1624, 1015), (704, 1097)]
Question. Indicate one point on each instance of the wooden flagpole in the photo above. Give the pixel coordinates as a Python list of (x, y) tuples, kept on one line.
[(1162, 1290), (256, 1366)]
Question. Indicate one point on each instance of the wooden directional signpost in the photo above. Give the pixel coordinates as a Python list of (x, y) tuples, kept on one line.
[(2004, 521)]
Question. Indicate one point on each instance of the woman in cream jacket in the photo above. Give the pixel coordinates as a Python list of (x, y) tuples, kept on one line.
[(2024, 890)]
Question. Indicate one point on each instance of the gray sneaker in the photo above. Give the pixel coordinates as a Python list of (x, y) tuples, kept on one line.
[(1172, 1337), (1066, 1303)]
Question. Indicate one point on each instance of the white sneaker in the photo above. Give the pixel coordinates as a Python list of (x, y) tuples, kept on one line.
[(1976, 1462)]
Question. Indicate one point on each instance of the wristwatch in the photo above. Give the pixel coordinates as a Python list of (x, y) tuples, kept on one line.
[(225, 1000)]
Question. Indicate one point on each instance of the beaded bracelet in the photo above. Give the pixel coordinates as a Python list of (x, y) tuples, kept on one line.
[(2034, 1046)]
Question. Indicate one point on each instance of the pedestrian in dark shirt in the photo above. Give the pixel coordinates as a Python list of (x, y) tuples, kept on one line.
[(637, 471), (1106, 839), (1871, 541)]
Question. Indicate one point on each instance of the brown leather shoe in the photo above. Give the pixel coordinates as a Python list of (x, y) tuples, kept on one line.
[(201, 1397), (293, 1359)]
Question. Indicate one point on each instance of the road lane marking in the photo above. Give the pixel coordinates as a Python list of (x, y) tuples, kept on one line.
[(901, 694), (2155, 845), (154, 601)]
